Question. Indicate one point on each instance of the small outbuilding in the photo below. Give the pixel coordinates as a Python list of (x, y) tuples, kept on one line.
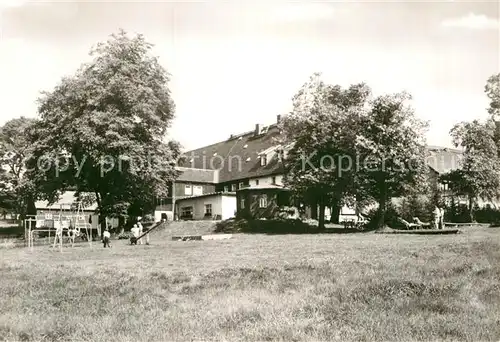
[(261, 201)]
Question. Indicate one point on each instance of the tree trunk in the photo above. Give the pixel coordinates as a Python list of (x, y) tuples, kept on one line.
[(101, 220), (321, 218), (314, 210), (382, 202), (335, 213), (471, 209)]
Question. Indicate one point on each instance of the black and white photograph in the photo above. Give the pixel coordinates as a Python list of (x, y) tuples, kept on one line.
[(249, 170)]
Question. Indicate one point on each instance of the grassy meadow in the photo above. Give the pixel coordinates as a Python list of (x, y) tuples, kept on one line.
[(363, 287)]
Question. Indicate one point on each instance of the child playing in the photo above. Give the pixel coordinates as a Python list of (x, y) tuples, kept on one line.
[(135, 233), (105, 238)]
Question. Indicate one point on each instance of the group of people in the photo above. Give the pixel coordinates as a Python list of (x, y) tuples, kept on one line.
[(438, 217), (137, 230)]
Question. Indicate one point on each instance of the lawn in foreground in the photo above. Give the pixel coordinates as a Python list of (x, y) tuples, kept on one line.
[(257, 287)]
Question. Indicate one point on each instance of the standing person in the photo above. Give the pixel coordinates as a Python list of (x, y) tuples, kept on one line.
[(106, 236), (135, 233), (441, 217), (141, 229), (436, 217)]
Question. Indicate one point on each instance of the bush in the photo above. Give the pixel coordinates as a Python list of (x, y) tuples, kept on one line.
[(488, 215), (148, 219), (416, 206), (124, 236), (390, 218), (283, 226)]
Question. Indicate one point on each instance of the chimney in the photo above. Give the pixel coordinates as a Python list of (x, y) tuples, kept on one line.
[(258, 129), (278, 118)]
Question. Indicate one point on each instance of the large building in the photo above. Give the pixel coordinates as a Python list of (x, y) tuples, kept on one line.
[(214, 176)]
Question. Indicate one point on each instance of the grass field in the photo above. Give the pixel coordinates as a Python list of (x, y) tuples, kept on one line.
[(361, 287)]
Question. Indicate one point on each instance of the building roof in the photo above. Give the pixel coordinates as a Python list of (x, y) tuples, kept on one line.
[(264, 187), (443, 159), (238, 157), (212, 194), (198, 175), (65, 202)]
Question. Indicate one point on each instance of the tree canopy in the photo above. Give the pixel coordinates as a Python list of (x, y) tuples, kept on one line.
[(102, 129), (17, 190), (347, 145), (479, 175), (321, 128), (391, 147)]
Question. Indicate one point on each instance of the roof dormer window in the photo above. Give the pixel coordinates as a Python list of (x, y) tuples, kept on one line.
[(263, 160)]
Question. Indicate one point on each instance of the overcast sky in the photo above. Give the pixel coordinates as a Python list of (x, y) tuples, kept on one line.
[(235, 64)]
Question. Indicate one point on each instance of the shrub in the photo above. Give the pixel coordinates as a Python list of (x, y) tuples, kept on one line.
[(488, 215), (390, 218), (282, 226), (416, 206), (148, 218)]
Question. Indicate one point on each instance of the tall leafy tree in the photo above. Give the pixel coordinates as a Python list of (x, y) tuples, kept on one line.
[(479, 174), (17, 190), (102, 129), (492, 90), (391, 150), (319, 166)]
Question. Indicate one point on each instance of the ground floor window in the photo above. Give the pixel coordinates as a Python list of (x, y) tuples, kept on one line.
[(242, 203), (263, 201), (186, 212), (208, 209)]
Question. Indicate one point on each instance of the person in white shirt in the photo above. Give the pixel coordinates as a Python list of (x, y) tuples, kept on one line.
[(441, 218), (135, 232), (106, 236), (141, 229), (436, 217)]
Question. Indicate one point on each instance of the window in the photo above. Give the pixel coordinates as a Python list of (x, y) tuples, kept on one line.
[(256, 182), (263, 160), (188, 191), (187, 212), (208, 209), (242, 203), (226, 188), (197, 190), (233, 187), (263, 201), (241, 185), (274, 180)]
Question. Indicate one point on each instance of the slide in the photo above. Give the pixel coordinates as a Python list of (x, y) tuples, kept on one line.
[(133, 240)]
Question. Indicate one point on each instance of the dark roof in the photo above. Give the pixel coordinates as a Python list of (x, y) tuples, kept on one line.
[(197, 175), (443, 159), (228, 155), (211, 194), (264, 187), (237, 157)]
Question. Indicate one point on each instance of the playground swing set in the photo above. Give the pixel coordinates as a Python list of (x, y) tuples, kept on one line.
[(70, 221)]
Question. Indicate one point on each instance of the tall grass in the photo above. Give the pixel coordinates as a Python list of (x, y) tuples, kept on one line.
[(364, 287)]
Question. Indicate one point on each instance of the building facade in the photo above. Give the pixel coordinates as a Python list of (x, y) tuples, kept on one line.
[(252, 160)]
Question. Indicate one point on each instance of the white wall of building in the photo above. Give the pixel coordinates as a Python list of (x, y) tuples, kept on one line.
[(198, 205), (221, 205), (268, 180), (54, 214), (158, 213), (228, 207)]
